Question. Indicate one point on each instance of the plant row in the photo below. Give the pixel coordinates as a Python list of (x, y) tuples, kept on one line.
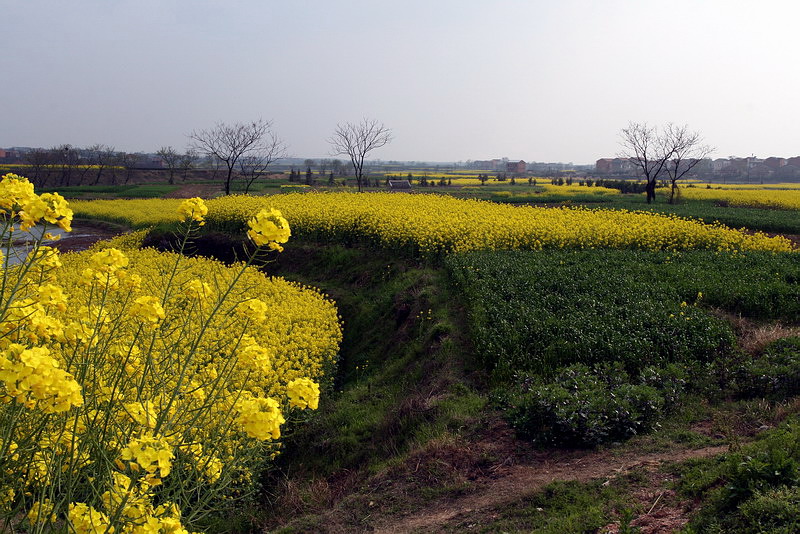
[(591, 346)]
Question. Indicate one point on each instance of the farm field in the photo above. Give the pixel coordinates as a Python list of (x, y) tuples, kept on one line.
[(425, 363)]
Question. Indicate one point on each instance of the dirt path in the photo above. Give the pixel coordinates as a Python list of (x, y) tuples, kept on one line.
[(516, 481), (195, 190)]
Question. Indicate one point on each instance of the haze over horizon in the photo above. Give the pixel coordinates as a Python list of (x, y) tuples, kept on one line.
[(454, 80)]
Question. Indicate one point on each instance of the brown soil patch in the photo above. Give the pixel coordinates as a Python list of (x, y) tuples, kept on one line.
[(195, 190), (84, 235), (511, 478), (662, 510)]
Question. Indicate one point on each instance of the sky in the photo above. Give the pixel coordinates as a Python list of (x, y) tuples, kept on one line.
[(455, 80)]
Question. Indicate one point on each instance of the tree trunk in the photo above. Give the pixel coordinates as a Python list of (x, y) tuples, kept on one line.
[(228, 182), (651, 191)]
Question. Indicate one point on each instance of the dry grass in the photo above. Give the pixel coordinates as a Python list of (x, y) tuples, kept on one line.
[(753, 337)]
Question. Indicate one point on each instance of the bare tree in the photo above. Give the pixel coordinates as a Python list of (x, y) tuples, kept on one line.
[(66, 156), (230, 142), (356, 140), (687, 151), (172, 160), (188, 161), (38, 160), (129, 162), (257, 163), (338, 167), (100, 156), (648, 150)]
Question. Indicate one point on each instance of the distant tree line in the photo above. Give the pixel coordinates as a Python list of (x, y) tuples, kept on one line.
[(67, 165)]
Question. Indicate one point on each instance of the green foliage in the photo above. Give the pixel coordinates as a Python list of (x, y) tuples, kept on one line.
[(115, 191), (775, 511), (545, 310), (774, 374), (591, 346), (586, 407), (751, 491)]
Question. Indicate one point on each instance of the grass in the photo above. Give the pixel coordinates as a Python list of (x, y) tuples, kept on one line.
[(754, 489), (559, 507), (399, 345), (114, 191)]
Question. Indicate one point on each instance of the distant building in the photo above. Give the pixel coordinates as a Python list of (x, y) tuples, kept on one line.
[(518, 167), (787, 172), (614, 166), (720, 164), (399, 185), (775, 163)]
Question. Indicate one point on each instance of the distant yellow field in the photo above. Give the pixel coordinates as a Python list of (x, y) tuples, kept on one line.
[(760, 196)]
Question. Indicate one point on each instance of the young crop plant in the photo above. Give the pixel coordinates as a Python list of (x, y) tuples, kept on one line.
[(144, 391), (547, 325)]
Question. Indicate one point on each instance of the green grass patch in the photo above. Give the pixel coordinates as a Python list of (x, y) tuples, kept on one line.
[(401, 342), (113, 191), (753, 490), (557, 508)]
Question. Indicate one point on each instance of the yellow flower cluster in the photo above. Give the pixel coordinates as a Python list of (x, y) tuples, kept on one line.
[(153, 454), (268, 227), (759, 198), (260, 417), (136, 213), (193, 209), (575, 189), (303, 393), (33, 377), (161, 379), (171, 380), (18, 201), (437, 223)]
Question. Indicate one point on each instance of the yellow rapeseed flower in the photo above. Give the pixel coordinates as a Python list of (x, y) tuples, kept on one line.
[(303, 393), (148, 309), (193, 209), (268, 227)]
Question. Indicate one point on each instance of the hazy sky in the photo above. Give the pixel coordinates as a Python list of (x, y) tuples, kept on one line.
[(455, 80)]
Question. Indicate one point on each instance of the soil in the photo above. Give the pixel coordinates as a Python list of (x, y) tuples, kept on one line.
[(84, 235), (508, 481), (195, 190)]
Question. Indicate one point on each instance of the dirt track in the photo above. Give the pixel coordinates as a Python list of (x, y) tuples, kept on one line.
[(516, 481)]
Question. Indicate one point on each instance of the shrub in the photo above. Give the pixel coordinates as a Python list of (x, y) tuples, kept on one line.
[(774, 374), (586, 407)]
